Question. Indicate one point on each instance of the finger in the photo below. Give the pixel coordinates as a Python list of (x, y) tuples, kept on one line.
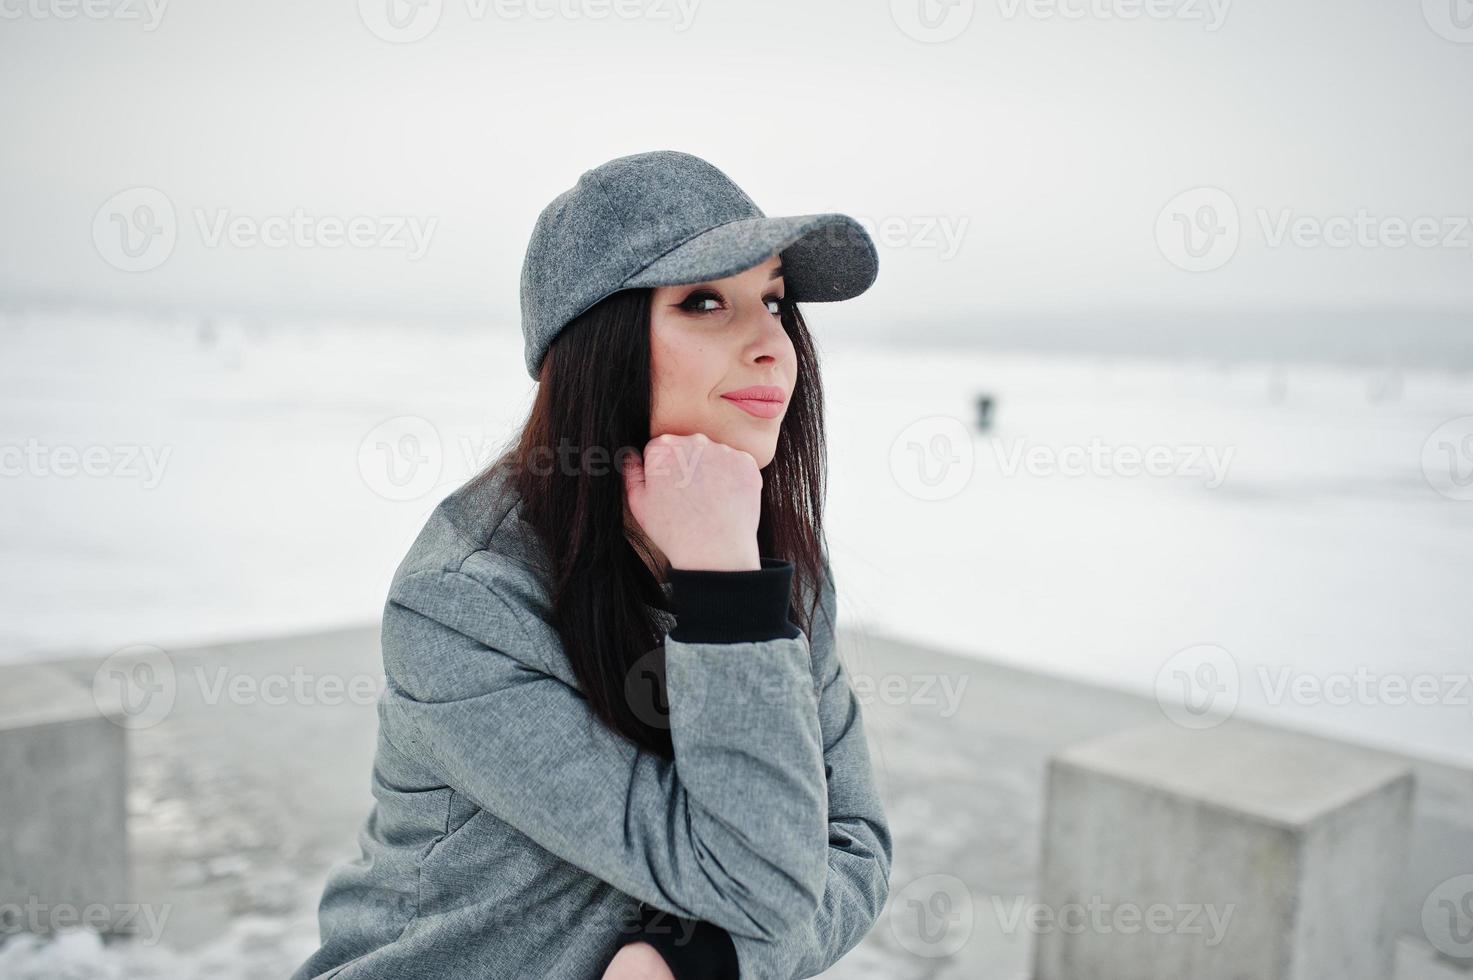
[(633, 472), (658, 456)]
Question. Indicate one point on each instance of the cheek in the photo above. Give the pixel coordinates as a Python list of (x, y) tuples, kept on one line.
[(685, 372)]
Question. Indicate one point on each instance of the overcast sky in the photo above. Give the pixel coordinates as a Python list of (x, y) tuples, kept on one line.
[(1015, 155)]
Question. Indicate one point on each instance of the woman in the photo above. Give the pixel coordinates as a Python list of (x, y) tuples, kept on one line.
[(615, 740)]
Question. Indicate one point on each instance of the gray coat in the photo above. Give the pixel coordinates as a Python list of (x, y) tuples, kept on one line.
[(516, 836)]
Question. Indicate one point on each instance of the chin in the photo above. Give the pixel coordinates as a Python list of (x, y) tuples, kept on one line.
[(763, 454), (762, 450)]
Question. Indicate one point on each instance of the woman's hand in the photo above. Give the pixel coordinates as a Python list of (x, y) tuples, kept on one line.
[(698, 500), (638, 961)]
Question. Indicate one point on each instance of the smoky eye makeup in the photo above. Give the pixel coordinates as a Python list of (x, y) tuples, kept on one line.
[(698, 302)]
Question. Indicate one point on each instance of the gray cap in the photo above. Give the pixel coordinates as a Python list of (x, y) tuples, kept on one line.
[(665, 218)]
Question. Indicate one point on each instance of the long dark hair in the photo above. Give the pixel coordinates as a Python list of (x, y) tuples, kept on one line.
[(593, 402)]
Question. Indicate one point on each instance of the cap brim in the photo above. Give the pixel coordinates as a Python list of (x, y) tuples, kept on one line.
[(825, 257)]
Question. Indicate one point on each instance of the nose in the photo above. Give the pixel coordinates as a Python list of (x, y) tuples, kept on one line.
[(768, 342)]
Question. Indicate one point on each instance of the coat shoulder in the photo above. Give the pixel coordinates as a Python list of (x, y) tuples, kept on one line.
[(477, 531)]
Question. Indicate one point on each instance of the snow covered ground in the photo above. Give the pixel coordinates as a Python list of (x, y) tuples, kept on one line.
[(1271, 536), (255, 948)]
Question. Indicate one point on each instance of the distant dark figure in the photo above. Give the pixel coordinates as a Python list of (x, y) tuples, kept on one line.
[(984, 412)]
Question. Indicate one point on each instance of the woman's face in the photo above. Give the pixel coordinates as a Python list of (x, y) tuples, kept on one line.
[(711, 339)]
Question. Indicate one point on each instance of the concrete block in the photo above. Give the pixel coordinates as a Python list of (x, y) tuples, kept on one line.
[(63, 815), (1238, 852)]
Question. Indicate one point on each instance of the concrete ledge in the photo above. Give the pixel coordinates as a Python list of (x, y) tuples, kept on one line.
[(63, 816), (1216, 854), (228, 847)]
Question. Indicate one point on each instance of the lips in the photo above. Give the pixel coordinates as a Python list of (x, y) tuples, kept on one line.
[(763, 401)]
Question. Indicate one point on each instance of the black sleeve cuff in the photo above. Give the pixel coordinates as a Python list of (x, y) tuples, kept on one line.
[(692, 949), (733, 607)]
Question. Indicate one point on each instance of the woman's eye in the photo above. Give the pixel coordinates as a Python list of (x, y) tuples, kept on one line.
[(709, 302), (695, 302)]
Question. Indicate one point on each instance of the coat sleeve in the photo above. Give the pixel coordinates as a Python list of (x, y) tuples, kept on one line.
[(859, 847), (732, 831)]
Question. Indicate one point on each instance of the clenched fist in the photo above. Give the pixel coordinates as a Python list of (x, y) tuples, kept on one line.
[(698, 500)]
